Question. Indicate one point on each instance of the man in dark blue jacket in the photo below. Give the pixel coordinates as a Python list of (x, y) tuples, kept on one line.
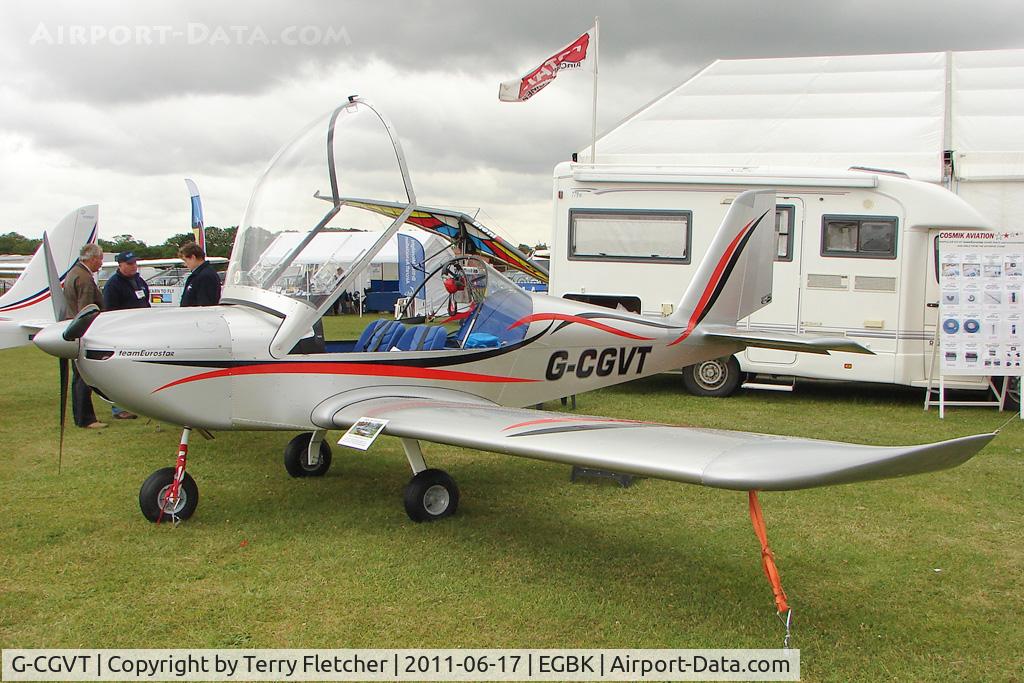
[(202, 288), (125, 289)]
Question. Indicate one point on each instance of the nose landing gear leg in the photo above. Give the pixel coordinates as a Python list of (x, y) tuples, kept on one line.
[(170, 492)]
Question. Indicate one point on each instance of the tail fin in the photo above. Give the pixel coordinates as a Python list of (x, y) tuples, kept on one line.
[(198, 229), (735, 277), (30, 297)]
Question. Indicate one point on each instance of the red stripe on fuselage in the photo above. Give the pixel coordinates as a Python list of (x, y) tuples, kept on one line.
[(369, 369), (712, 283), (577, 319)]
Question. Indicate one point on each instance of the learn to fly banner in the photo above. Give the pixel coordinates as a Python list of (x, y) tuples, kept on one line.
[(981, 287)]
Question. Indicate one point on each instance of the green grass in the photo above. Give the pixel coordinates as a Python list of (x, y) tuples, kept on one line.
[(530, 560)]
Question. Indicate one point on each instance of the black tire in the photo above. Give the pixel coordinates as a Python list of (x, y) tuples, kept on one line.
[(154, 489), (295, 457), (431, 495), (718, 377)]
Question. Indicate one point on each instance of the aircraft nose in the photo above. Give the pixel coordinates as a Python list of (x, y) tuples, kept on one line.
[(51, 340)]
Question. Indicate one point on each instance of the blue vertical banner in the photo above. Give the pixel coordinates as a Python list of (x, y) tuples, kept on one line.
[(197, 214), (410, 265)]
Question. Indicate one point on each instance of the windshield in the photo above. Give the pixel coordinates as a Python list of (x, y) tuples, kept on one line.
[(477, 304), (300, 235)]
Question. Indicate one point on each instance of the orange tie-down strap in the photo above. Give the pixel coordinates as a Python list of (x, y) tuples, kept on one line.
[(767, 558)]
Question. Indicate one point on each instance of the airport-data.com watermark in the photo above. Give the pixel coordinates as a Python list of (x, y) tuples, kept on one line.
[(192, 33)]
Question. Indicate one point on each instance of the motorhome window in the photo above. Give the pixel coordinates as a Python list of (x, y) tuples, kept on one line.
[(623, 235), (858, 237), (784, 220)]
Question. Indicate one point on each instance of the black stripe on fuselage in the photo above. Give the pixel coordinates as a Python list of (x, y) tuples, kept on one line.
[(437, 362)]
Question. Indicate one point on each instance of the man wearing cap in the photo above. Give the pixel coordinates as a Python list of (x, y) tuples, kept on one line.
[(125, 289)]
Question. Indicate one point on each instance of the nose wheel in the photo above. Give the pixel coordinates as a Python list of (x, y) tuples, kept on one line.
[(160, 503), (170, 494)]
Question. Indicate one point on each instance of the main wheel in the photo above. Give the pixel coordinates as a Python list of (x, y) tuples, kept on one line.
[(297, 464), (717, 377), (155, 501), (431, 495)]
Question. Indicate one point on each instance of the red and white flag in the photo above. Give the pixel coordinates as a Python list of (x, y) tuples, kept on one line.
[(575, 55)]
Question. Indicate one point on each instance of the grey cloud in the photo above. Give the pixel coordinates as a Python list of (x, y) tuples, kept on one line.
[(146, 111), (459, 36)]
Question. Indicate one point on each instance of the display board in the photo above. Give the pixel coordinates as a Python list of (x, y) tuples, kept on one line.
[(981, 283)]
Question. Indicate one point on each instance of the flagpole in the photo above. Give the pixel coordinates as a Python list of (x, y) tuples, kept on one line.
[(593, 128)]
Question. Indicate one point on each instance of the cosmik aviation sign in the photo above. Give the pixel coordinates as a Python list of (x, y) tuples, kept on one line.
[(981, 276)]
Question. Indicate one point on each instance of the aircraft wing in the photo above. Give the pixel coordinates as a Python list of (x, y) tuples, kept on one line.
[(722, 459), (783, 341), (461, 229)]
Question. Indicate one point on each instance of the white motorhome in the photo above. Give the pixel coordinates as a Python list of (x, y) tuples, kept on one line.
[(856, 257), (856, 248)]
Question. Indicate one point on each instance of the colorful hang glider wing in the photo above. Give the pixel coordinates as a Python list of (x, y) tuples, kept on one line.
[(462, 229), (709, 457)]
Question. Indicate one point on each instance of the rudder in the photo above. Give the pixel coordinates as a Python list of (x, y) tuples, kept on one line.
[(735, 277)]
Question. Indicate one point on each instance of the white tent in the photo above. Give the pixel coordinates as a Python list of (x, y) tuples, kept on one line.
[(330, 250), (345, 247), (899, 111)]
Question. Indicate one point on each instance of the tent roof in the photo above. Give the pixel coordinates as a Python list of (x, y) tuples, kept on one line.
[(885, 111), (342, 247)]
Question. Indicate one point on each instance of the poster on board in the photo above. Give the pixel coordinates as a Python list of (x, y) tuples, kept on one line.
[(981, 283)]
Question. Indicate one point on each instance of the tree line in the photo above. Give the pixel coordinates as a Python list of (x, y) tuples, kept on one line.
[(218, 243)]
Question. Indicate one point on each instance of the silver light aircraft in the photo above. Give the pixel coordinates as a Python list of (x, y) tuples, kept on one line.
[(457, 370)]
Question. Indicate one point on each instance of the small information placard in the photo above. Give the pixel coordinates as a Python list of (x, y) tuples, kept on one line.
[(363, 433)]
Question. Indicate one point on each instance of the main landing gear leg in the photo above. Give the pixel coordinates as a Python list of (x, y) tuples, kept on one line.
[(170, 493), (431, 494)]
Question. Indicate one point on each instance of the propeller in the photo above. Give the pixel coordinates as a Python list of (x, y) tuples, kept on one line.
[(77, 327), (64, 368), (59, 313)]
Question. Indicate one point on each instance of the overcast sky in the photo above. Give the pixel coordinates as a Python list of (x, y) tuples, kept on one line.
[(114, 103)]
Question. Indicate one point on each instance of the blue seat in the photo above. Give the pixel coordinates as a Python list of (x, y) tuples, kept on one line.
[(364, 338), (436, 339), (412, 338), (385, 336), (422, 338)]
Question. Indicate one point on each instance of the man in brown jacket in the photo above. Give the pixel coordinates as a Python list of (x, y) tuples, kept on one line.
[(80, 290)]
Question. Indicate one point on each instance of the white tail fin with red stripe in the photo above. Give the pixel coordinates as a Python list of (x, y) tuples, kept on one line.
[(29, 298), (735, 277)]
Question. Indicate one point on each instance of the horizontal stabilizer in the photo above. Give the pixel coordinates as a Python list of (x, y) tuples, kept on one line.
[(783, 341), (722, 459)]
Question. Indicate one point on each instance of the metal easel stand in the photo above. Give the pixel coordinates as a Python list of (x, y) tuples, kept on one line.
[(999, 392)]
